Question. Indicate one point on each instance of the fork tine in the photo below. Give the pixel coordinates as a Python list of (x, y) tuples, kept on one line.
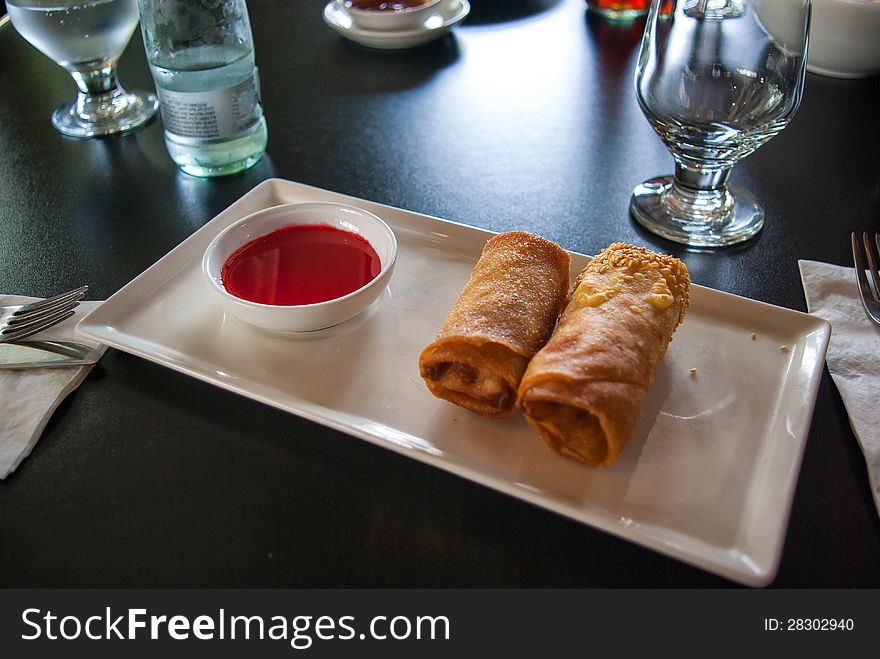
[(37, 317), (52, 303), (864, 286), (23, 330), (872, 265), (877, 242)]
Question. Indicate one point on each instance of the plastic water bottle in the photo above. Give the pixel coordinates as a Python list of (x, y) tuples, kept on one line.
[(201, 55)]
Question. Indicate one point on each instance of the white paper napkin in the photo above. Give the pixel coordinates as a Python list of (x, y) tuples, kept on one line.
[(28, 397), (853, 354)]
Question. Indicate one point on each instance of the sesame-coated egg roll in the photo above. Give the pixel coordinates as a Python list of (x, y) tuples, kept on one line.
[(504, 314), (584, 391)]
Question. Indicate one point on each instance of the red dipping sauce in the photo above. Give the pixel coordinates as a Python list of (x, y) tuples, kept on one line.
[(300, 264)]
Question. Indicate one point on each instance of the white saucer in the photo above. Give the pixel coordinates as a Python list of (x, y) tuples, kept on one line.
[(448, 14)]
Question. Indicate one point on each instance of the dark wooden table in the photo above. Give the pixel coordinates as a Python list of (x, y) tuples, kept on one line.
[(523, 118)]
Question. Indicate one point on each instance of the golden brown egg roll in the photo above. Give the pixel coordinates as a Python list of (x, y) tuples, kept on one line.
[(504, 314), (584, 391)]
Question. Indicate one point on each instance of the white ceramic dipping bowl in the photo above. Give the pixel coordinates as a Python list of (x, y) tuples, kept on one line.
[(409, 18), (305, 317)]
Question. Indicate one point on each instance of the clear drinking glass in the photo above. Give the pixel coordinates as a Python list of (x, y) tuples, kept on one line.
[(87, 37), (716, 80)]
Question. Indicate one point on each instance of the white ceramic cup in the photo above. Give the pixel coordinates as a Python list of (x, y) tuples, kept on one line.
[(845, 38)]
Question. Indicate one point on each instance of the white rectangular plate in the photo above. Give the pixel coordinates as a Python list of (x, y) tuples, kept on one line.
[(708, 477)]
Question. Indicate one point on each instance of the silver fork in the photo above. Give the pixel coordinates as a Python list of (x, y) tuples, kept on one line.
[(22, 320), (870, 297)]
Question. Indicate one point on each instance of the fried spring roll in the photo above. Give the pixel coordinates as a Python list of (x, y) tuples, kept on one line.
[(584, 391), (504, 314)]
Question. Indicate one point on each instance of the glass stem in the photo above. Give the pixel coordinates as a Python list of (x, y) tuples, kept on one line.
[(98, 89), (699, 195), (701, 179)]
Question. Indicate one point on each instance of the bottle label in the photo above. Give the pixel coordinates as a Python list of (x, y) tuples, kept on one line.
[(215, 114)]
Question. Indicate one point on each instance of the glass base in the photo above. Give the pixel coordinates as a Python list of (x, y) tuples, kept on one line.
[(219, 157), (221, 170), (741, 219), (119, 114)]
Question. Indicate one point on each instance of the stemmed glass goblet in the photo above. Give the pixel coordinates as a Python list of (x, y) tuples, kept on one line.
[(87, 37), (716, 79)]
